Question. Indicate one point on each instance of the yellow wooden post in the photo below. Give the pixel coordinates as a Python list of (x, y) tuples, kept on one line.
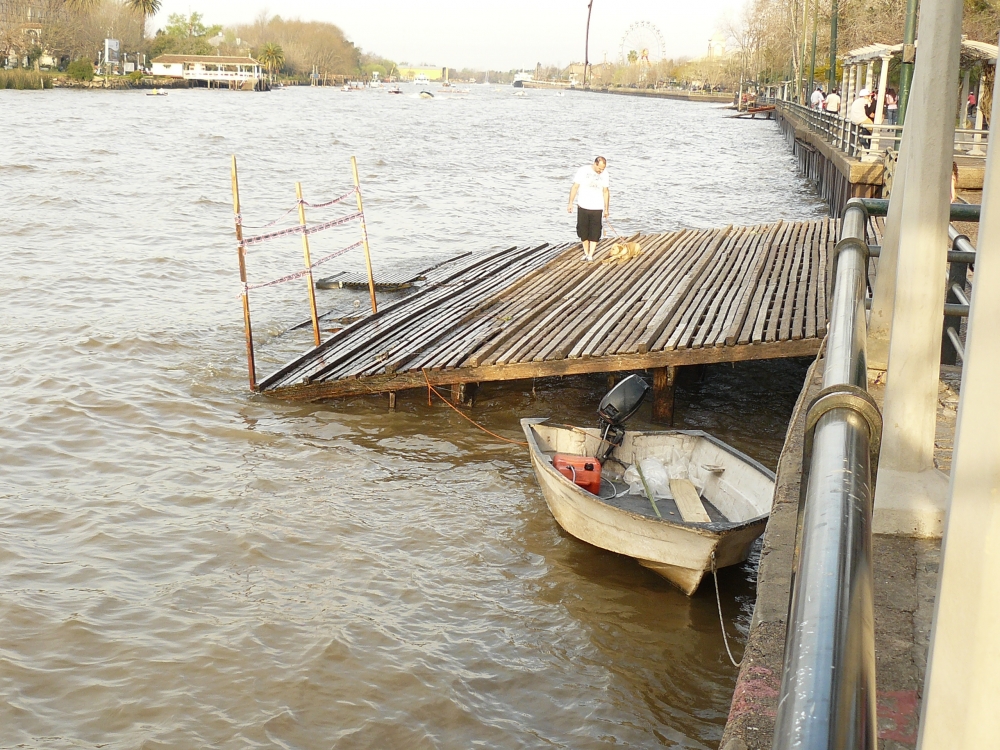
[(364, 236), (242, 253), (308, 261)]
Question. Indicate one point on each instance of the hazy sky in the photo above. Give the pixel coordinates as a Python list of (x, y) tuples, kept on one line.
[(500, 36)]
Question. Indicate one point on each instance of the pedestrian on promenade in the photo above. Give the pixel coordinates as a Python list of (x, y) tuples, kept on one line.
[(591, 192), (858, 114), (817, 98), (891, 107), (971, 108), (833, 101)]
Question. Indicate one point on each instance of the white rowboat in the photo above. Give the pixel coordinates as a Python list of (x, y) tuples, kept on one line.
[(735, 490)]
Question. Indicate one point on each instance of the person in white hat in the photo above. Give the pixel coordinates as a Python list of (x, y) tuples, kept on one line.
[(858, 114)]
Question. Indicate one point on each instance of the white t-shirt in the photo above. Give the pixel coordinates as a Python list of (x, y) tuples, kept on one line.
[(833, 103), (857, 114), (591, 192), (817, 98)]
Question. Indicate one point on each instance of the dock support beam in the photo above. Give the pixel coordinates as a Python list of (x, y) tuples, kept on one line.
[(464, 393), (664, 380), (963, 668), (911, 494)]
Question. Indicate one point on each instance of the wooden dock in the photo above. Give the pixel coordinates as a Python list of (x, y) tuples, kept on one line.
[(692, 296)]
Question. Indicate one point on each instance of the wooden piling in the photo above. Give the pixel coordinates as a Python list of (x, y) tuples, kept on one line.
[(664, 381), (242, 254), (464, 393), (308, 262), (364, 235)]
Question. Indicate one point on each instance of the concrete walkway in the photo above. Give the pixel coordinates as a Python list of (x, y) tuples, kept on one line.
[(905, 586)]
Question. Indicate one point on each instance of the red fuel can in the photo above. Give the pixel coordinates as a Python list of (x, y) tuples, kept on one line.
[(584, 471)]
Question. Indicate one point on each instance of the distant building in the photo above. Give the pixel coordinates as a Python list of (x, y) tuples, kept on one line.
[(235, 71), (423, 73), (716, 47)]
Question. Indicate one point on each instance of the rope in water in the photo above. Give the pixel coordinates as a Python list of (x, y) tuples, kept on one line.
[(722, 622), (432, 389), (303, 272)]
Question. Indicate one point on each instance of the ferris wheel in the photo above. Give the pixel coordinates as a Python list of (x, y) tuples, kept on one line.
[(642, 45)]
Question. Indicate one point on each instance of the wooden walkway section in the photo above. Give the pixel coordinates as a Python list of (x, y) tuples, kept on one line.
[(692, 296)]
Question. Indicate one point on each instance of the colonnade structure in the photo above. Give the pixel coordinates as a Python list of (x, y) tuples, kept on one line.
[(859, 70), (868, 67)]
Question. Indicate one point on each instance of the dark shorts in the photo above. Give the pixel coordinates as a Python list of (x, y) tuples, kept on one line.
[(588, 224)]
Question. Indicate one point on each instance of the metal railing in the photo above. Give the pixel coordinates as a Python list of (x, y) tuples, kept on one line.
[(961, 257), (871, 142), (827, 695), (221, 75)]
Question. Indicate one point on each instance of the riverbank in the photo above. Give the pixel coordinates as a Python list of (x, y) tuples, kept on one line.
[(720, 97), (905, 584)]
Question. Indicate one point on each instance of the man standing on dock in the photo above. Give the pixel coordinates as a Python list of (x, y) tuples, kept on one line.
[(591, 193)]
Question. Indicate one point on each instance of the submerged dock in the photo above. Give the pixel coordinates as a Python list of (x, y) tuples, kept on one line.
[(692, 296)]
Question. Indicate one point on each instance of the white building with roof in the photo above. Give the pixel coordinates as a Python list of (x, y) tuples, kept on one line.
[(238, 72)]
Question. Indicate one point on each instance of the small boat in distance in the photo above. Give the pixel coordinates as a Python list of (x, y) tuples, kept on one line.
[(155, 92), (709, 511), (421, 79), (394, 90), (426, 95)]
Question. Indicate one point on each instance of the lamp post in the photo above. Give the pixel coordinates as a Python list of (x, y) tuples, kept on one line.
[(586, 45), (812, 59), (909, 56), (832, 77), (802, 57)]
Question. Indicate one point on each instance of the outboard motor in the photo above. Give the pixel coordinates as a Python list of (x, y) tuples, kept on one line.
[(620, 403)]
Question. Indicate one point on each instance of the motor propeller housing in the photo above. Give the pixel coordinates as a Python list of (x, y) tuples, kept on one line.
[(622, 401)]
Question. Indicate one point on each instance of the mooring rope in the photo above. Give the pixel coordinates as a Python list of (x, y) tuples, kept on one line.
[(304, 271), (722, 622), (431, 388)]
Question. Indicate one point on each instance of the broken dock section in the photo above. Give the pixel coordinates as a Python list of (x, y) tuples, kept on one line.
[(692, 296)]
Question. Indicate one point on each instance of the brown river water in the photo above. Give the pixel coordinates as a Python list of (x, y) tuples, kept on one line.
[(186, 565)]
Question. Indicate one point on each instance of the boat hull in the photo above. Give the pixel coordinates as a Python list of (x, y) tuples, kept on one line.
[(680, 552)]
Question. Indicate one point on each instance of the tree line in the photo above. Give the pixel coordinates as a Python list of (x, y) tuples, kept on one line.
[(67, 30), (773, 38)]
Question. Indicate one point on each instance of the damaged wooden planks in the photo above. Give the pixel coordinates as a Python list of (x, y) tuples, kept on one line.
[(691, 296)]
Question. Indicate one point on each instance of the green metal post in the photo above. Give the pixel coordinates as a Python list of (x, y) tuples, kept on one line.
[(832, 78), (906, 69), (812, 60), (799, 79)]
